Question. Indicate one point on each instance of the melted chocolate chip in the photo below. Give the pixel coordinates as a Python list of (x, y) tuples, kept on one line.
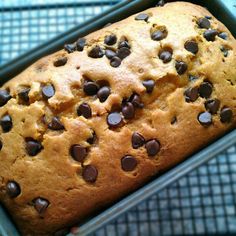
[(160, 3), (96, 52), (55, 124), (210, 35), (205, 89), (137, 140), (103, 93), (123, 52), (13, 189), (226, 115), (191, 46), (92, 139), (223, 35), (80, 44), (114, 119), (115, 62), (123, 44), (128, 163), (90, 173), (142, 16), (204, 23), (6, 123), (24, 95), (33, 147), (41, 205), (152, 147), (181, 67), (149, 85), (78, 152), (48, 91), (110, 53), (159, 35), (110, 39), (191, 94), (84, 110), (212, 105), (136, 101), (60, 61), (90, 88), (70, 47), (165, 56), (205, 118), (1, 144), (4, 97), (128, 110), (224, 50)]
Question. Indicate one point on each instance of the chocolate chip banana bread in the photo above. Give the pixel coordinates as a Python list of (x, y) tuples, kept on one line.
[(87, 125)]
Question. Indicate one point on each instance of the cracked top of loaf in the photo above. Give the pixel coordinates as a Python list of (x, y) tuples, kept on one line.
[(88, 124)]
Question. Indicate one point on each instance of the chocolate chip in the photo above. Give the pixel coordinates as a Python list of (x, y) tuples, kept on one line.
[(205, 89), (128, 110), (123, 52), (114, 119), (70, 47), (4, 97), (191, 46), (84, 110), (60, 61), (160, 3), (1, 145), (149, 85), (90, 88), (142, 16), (192, 77), (137, 140), (103, 93), (191, 94), (165, 56), (110, 39), (90, 173), (173, 120), (226, 115), (24, 95), (92, 139), (208, 17), (181, 67), (33, 147), (224, 50), (55, 124), (41, 205), (110, 53), (210, 35), (48, 91), (80, 44), (204, 23), (13, 189), (78, 152), (223, 35), (212, 105), (115, 62), (205, 118), (6, 123), (159, 35), (96, 52), (123, 44), (128, 163), (136, 101), (152, 147)]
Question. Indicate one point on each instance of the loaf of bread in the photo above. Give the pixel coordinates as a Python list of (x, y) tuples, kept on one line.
[(89, 124)]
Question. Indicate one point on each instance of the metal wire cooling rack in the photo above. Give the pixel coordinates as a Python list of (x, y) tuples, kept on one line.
[(203, 202)]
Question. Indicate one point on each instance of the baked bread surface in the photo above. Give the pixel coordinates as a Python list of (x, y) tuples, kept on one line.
[(87, 125)]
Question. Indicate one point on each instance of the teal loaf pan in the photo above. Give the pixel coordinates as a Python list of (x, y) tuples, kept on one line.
[(224, 10)]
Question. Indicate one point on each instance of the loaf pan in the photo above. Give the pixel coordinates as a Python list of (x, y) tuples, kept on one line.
[(224, 10)]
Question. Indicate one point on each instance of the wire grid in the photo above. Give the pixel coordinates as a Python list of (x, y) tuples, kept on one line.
[(203, 202)]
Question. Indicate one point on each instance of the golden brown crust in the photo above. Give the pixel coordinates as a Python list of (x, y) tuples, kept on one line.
[(54, 175)]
